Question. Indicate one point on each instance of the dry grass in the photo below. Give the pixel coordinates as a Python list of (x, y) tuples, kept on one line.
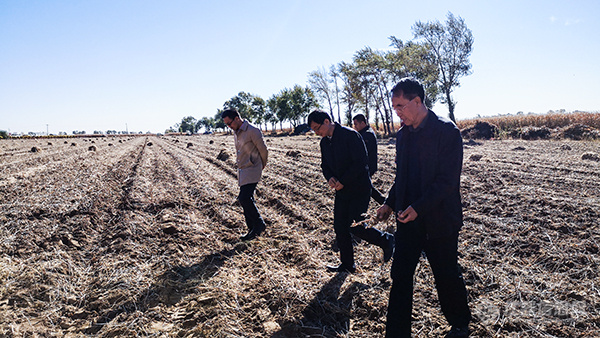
[(517, 126), (550, 120), (139, 240)]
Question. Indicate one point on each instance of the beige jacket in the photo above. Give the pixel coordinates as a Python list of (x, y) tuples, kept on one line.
[(251, 153)]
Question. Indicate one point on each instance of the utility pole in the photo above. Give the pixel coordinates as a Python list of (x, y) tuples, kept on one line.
[(126, 130)]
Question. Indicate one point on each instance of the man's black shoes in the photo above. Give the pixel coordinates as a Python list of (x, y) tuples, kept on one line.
[(252, 234), (259, 229), (341, 268), (458, 332), (388, 249)]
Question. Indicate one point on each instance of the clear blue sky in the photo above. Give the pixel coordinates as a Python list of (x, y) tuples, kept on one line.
[(102, 64)]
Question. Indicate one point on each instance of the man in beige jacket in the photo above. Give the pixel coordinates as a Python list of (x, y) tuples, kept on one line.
[(251, 154)]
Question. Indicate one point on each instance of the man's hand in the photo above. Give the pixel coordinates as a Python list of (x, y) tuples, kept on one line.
[(407, 215), (332, 182), (384, 212), (335, 184)]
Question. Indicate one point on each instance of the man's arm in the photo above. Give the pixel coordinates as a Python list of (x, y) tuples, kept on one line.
[(257, 139), (371, 143), (384, 211), (449, 166), (358, 153), (325, 160)]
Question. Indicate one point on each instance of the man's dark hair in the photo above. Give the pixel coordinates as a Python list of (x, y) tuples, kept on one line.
[(318, 117), (409, 88), (232, 113), (360, 118)]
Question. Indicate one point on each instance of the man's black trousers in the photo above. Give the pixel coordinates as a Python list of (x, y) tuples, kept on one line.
[(246, 199), (411, 241), (349, 208)]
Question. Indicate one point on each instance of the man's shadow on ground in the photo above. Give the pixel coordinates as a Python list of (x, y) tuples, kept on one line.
[(327, 315), (170, 287), (180, 281)]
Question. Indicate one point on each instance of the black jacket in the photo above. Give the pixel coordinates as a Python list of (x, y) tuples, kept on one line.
[(370, 140), (344, 157), (440, 152)]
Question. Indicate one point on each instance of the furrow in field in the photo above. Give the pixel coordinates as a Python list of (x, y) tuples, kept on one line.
[(211, 187), (283, 206), (61, 205), (48, 154), (223, 174)]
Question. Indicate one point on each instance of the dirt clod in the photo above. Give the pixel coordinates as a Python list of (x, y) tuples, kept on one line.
[(590, 157), (223, 155), (293, 153)]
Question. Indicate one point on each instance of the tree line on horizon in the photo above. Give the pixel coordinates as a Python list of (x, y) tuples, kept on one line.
[(438, 56)]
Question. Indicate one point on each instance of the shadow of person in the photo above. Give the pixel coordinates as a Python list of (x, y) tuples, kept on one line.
[(178, 282), (170, 287), (327, 315)]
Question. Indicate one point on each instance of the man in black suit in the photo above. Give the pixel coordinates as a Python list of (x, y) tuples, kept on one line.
[(427, 204), (344, 165), (360, 124)]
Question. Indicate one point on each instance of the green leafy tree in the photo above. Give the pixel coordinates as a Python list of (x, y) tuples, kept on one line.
[(3, 134), (283, 109), (251, 107), (414, 59), (302, 100), (450, 47), (372, 73), (219, 124), (258, 107), (188, 125), (208, 123), (271, 113), (243, 103)]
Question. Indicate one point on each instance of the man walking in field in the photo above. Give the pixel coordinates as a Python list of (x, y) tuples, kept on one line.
[(426, 200), (251, 155), (360, 124), (345, 167)]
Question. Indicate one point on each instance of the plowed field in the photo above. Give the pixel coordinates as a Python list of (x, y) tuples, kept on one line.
[(140, 237)]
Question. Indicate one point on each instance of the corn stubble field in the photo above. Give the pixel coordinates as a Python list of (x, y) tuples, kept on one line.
[(140, 237)]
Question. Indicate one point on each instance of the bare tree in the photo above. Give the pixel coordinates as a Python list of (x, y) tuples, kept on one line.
[(319, 81), (335, 74), (351, 89)]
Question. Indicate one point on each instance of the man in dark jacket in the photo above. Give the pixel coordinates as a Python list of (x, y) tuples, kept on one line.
[(344, 165), (359, 122), (426, 200)]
